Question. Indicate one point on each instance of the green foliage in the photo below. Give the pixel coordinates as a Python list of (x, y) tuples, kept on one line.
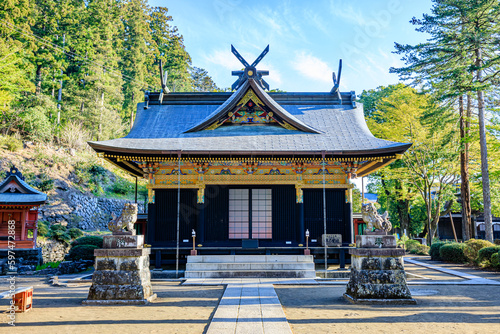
[(43, 228), (122, 187), (401, 242), (434, 250), (453, 252), (82, 252), (45, 183), (473, 248), (10, 143), (420, 249), (115, 51), (411, 245), (91, 174), (495, 260), (88, 240), (59, 233), (429, 169), (485, 254), (48, 264), (75, 233)]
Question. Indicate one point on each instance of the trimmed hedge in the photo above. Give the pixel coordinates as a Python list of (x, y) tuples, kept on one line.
[(473, 247), (88, 240), (434, 251), (486, 253), (495, 260), (411, 245), (75, 233), (420, 249), (453, 252), (82, 252)]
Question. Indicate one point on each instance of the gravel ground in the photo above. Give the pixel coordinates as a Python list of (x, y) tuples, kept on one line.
[(177, 309), (440, 309)]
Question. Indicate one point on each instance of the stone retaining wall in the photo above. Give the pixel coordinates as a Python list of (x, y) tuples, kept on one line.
[(52, 251), (84, 212)]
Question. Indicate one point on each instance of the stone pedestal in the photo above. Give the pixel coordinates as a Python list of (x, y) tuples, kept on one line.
[(377, 272), (121, 272)]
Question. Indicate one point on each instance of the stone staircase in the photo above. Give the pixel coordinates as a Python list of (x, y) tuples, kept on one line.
[(255, 266)]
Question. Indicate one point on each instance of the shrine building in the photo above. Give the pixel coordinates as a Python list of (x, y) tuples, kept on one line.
[(19, 205), (249, 170)]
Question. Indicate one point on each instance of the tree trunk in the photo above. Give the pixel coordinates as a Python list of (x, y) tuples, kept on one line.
[(464, 172), (404, 217), (428, 203), (38, 83), (472, 225), (484, 153)]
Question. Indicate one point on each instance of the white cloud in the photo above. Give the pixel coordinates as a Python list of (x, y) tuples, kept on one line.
[(312, 67)]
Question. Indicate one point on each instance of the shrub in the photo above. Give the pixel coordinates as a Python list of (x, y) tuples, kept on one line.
[(12, 144), (75, 233), (59, 233), (88, 240), (36, 125), (43, 228), (82, 252), (122, 187), (45, 185), (453, 252), (420, 249), (473, 247), (411, 245), (434, 250), (496, 242), (486, 253), (495, 260), (74, 135)]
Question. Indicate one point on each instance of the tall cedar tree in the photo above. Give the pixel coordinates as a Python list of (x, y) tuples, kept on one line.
[(460, 57)]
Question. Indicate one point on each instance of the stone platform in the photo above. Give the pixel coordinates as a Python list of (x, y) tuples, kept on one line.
[(377, 272), (122, 273), (255, 266)]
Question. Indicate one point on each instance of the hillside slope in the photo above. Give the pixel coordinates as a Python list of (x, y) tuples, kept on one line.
[(82, 189)]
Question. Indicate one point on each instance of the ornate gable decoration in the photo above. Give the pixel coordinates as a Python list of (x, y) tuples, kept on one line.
[(250, 104)]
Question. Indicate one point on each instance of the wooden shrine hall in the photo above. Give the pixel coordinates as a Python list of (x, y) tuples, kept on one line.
[(255, 169), (19, 205)]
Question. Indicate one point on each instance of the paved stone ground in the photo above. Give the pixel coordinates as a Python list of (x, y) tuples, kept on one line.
[(249, 305), (451, 299)]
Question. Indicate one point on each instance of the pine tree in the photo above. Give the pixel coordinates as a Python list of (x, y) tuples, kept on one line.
[(459, 58)]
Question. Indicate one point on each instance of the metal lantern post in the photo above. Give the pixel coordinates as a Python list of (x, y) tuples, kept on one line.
[(193, 251), (307, 251)]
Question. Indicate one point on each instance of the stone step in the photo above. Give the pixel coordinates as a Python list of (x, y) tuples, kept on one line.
[(250, 266), (250, 274), (248, 258)]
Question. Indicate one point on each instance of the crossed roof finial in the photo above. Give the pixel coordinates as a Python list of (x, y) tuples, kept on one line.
[(250, 71)]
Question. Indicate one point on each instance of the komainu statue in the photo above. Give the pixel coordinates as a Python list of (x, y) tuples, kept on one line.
[(126, 220), (375, 220)]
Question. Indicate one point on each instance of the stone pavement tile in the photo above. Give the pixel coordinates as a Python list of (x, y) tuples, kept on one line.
[(194, 281), (470, 279)]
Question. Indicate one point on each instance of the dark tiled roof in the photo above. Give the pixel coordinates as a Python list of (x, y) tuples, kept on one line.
[(27, 196), (161, 129)]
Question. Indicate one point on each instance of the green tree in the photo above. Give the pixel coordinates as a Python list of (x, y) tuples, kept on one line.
[(168, 46), (460, 57), (202, 82), (430, 164)]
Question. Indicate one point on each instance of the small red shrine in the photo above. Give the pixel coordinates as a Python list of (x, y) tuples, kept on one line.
[(19, 203)]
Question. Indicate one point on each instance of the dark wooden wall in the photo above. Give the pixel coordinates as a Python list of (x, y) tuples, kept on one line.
[(337, 213), (162, 219)]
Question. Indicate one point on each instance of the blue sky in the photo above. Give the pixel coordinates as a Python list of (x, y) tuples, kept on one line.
[(306, 39)]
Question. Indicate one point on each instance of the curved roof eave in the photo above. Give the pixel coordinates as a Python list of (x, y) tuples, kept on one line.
[(230, 103)]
